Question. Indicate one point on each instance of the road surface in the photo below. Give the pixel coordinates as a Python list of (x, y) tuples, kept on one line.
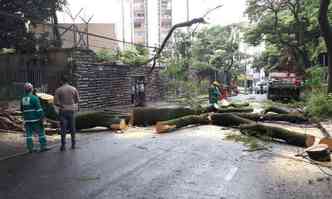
[(193, 163)]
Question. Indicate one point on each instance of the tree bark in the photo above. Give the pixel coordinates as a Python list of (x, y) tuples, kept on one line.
[(171, 125), (229, 120), (168, 36), (150, 116), (327, 34), (246, 126), (291, 118), (89, 120), (274, 109), (290, 137)]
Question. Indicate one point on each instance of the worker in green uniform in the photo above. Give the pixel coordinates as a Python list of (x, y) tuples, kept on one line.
[(33, 115), (214, 93)]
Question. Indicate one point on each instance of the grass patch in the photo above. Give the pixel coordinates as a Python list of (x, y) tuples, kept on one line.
[(252, 143)]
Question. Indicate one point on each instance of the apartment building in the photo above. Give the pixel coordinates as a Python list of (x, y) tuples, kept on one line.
[(146, 21)]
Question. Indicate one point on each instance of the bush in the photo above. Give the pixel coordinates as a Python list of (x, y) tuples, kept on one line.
[(134, 56), (107, 56), (315, 78), (319, 105)]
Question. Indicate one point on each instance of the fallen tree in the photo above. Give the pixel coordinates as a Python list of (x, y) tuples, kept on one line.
[(87, 120), (292, 118), (278, 110), (289, 137), (150, 116), (171, 125), (246, 126), (228, 120), (84, 120)]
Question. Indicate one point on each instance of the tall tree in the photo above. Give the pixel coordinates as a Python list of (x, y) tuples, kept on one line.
[(327, 34), (17, 14), (284, 24)]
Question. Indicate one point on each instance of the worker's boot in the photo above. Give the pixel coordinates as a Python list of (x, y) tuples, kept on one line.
[(63, 148), (43, 149), (73, 140)]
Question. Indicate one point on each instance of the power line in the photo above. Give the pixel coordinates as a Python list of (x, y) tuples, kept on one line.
[(73, 30)]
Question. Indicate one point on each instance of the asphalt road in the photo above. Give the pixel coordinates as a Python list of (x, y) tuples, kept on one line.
[(195, 163)]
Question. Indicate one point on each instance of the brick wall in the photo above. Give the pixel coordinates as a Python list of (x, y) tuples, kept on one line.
[(102, 86)]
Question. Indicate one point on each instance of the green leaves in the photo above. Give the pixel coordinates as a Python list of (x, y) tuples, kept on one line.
[(134, 56), (285, 24)]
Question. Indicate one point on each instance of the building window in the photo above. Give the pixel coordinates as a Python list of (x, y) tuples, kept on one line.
[(139, 34), (166, 24), (138, 25)]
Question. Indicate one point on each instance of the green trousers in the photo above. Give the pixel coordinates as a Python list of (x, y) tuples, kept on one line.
[(37, 127)]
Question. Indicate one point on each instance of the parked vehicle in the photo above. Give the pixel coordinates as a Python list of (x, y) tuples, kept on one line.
[(284, 85), (261, 87)]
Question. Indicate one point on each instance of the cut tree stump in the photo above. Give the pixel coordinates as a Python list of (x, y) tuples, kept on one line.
[(327, 141), (290, 137), (319, 152)]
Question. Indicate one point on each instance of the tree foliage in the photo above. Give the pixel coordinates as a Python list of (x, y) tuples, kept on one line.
[(216, 48), (134, 56), (16, 15), (285, 24)]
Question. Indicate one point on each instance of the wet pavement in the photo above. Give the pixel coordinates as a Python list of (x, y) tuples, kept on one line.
[(192, 163)]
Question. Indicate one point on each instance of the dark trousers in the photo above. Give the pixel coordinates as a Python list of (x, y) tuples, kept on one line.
[(67, 122)]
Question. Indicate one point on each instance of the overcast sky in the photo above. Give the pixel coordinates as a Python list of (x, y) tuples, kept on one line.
[(109, 11)]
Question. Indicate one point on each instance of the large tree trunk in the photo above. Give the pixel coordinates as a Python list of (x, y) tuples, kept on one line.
[(171, 125), (89, 120), (327, 34), (290, 137), (150, 116), (229, 120), (246, 126), (84, 120), (291, 118)]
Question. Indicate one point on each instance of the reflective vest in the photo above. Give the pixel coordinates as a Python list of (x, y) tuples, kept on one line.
[(214, 95), (31, 108)]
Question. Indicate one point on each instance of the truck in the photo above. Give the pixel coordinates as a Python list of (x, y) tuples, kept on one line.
[(284, 86)]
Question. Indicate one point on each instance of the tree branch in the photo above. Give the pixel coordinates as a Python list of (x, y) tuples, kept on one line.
[(179, 25)]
